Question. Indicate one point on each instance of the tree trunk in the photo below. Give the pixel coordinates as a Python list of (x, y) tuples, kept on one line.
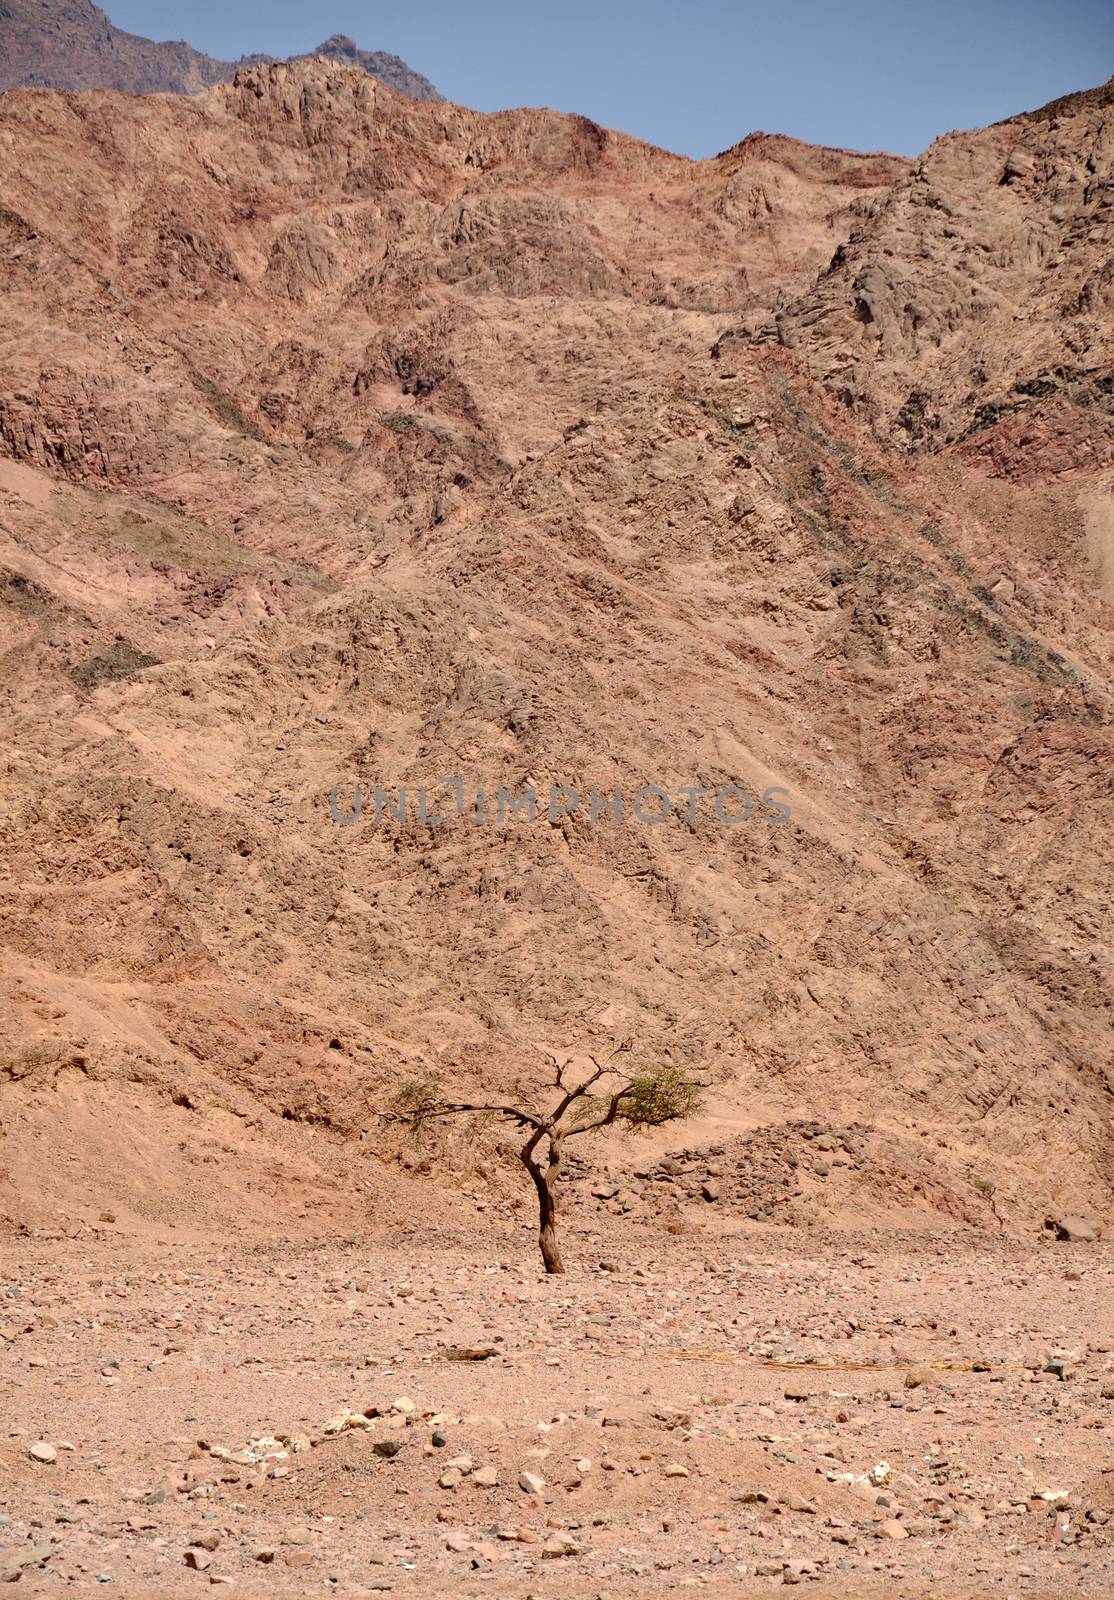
[(547, 1233), (544, 1182)]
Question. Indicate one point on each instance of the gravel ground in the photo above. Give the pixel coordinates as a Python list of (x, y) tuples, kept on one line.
[(897, 1415)]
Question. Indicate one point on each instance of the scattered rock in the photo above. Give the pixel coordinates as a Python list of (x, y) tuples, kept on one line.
[(1074, 1229), (560, 1544)]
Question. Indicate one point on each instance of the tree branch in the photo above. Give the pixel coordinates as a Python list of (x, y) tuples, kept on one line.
[(559, 1068), (608, 1117), (513, 1114)]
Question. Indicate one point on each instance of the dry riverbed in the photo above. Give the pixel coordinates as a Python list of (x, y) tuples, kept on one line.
[(884, 1415)]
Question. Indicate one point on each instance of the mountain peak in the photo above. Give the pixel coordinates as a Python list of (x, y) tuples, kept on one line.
[(72, 44)]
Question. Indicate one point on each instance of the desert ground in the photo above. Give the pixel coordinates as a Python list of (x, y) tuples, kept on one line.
[(864, 1414)]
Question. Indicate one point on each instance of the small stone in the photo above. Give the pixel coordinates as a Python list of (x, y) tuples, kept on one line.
[(891, 1529), (387, 1447), (298, 1558), (264, 1553), (674, 1469), (41, 1451), (560, 1544), (486, 1478), (197, 1559), (530, 1482)]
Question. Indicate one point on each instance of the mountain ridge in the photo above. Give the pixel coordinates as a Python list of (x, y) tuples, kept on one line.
[(72, 44)]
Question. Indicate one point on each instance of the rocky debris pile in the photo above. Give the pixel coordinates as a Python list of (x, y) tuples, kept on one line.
[(758, 1175), (269, 1457)]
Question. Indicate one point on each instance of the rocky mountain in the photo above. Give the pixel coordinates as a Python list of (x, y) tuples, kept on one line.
[(974, 308), (352, 439), (71, 44)]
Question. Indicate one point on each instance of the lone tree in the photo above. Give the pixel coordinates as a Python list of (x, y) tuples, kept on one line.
[(607, 1095)]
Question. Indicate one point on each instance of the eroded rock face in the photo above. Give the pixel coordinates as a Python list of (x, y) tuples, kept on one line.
[(347, 438), (975, 305)]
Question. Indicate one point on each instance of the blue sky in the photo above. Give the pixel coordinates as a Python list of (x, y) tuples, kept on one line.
[(698, 75)]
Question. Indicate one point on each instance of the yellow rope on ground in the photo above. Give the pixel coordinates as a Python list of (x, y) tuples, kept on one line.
[(724, 1356)]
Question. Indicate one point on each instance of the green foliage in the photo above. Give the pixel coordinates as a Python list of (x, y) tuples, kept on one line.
[(657, 1097), (588, 1108), (29, 1060), (417, 1098), (399, 421), (648, 1100)]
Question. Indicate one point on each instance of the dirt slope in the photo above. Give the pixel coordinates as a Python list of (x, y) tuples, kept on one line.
[(351, 439)]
